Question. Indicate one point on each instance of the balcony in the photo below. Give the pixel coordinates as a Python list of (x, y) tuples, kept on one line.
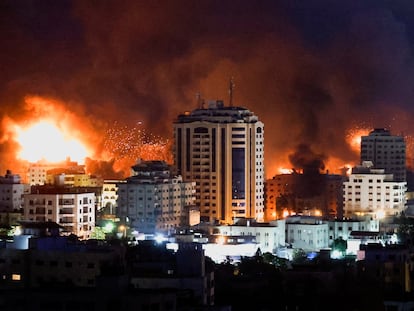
[(66, 211)]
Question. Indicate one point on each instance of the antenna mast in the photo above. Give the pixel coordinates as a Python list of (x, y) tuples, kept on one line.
[(199, 101), (231, 88)]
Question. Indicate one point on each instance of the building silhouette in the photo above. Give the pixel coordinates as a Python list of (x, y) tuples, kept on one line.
[(221, 148), (385, 151)]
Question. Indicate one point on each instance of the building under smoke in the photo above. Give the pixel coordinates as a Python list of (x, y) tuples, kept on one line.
[(307, 193)]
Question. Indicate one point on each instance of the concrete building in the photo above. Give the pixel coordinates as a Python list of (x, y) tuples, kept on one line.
[(372, 192), (268, 236), (304, 194), (11, 192), (153, 201), (185, 270), (62, 176), (222, 149), (390, 265), (307, 233), (37, 172), (57, 261), (386, 152), (73, 208), (110, 196), (343, 228)]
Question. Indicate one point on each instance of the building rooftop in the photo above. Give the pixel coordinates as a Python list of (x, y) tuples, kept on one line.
[(52, 189), (218, 113)]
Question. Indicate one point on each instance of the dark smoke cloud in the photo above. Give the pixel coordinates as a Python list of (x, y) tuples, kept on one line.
[(306, 160), (310, 70), (103, 168)]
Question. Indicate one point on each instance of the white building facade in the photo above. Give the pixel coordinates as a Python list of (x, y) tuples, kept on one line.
[(269, 236), (222, 150), (344, 228), (307, 233), (110, 195), (372, 192), (75, 211)]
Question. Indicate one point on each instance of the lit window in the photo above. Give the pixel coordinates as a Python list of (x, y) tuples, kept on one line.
[(16, 277)]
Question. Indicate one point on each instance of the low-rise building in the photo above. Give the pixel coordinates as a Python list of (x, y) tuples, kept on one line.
[(268, 236), (73, 208), (389, 265), (186, 270), (342, 228), (307, 233), (11, 192)]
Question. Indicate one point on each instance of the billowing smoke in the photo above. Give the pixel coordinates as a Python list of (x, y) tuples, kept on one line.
[(310, 73), (103, 168), (306, 160)]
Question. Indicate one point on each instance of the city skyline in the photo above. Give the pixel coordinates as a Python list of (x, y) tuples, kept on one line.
[(115, 78)]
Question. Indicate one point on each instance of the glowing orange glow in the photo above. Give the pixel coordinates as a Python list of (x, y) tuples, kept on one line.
[(44, 140), (285, 213), (282, 170), (337, 166), (353, 138)]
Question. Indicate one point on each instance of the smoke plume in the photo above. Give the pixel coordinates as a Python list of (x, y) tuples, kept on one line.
[(310, 73)]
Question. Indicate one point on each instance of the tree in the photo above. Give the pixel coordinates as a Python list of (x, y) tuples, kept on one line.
[(98, 233), (405, 230), (299, 256), (340, 245)]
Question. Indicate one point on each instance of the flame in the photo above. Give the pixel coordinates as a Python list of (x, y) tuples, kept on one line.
[(283, 170), (353, 137), (44, 140)]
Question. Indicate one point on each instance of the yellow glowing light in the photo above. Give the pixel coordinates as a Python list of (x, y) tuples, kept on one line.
[(354, 135), (318, 213), (221, 240), (285, 213), (44, 140), (283, 170)]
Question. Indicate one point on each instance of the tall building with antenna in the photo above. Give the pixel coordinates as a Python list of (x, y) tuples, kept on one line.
[(221, 148)]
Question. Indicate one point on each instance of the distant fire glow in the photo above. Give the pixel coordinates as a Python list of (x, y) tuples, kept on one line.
[(354, 135), (45, 141), (283, 170)]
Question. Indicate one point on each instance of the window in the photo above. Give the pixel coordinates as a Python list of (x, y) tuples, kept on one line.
[(16, 277)]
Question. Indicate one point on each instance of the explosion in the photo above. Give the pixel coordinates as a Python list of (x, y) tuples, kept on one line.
[(353, 137), (44, 140), (127, 144), (50, 132)]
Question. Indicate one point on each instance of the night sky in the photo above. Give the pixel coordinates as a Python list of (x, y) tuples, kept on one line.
[(313, 71)]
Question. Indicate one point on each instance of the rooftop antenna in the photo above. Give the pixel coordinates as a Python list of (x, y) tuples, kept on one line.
[(231, 88), (199, 101)]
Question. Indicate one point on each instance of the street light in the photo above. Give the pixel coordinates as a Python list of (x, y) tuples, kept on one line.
[(122, 229)]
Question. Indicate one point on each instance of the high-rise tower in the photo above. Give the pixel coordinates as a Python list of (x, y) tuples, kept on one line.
[(222, 149), (385, 151)]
